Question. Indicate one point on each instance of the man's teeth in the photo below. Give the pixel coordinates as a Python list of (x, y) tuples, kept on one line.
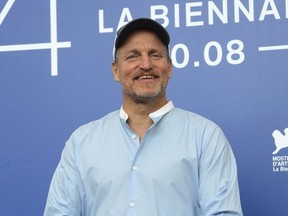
[(145, 77)]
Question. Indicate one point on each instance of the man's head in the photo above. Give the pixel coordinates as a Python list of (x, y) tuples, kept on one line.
[(142, 64)]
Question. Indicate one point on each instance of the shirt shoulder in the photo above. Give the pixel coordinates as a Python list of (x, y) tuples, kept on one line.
[(191, 118), (108, 121)]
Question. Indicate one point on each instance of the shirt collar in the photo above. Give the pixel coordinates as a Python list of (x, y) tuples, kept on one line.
[(155, 116)]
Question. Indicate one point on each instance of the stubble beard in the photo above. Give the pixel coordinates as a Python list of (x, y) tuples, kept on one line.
[(144, 98)]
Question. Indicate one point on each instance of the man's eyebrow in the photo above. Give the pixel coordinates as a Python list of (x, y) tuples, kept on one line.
[(155, 50), (131, 51), (137, 51)]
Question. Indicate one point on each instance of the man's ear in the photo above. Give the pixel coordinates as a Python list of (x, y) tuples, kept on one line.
[(170, 66), (115, 71)]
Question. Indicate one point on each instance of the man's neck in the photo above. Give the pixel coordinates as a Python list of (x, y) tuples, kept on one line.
[(138, 115)]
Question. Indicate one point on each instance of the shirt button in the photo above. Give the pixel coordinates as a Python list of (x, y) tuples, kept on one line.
[(131, 204), (134, 167), (134, 136)]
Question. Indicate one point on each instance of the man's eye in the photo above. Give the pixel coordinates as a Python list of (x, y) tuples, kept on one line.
[(132, 56), (155, 55)]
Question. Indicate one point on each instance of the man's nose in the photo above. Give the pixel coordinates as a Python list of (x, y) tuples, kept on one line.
[(146, 63)]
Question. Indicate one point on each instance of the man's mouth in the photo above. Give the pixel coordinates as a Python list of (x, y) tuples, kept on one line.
[(144, 77)]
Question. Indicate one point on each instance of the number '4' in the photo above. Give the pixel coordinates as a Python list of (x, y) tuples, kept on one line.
[(53, 45)]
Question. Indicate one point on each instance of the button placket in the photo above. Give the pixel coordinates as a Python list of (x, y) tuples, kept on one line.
[(134, 181)]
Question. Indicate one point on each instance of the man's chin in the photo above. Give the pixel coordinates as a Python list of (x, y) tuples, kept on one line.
[(145, 98)]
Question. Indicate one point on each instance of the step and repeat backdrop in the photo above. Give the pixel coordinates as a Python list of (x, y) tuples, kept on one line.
[(230, 62)]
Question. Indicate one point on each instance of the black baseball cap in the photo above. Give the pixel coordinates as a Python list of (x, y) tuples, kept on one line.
[(141, 24)]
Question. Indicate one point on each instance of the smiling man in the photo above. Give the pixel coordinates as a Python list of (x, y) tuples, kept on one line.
[(143, 68), (149, 158)]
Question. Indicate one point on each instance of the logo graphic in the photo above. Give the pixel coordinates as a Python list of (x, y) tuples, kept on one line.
[(280, 140)]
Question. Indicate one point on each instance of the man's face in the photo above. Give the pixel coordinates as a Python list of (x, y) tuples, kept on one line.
[(143, 67)]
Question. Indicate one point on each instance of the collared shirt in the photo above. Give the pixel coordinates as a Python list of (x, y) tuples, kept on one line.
[(184, 166)]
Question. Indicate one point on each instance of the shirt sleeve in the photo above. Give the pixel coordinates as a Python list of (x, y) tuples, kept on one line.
[(64, 196), (218, 189)]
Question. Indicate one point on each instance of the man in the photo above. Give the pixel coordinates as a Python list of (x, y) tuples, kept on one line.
[(149, 158)]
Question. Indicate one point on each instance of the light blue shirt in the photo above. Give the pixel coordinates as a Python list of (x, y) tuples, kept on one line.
[(184, 166)]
